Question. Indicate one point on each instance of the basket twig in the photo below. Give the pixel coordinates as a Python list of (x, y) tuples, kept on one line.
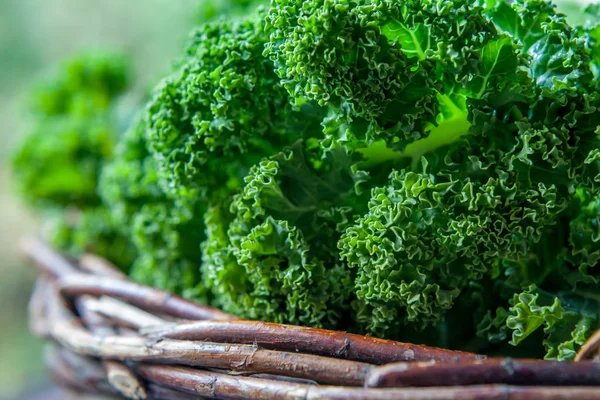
[(508, 371), (158, 392), (118, 374), (143, 296), (590, 348), (310, 340), (216, 385), (95, 265), (124, 314), (77, 373)]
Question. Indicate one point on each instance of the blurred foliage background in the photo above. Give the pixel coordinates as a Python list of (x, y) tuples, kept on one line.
[(35, 35)]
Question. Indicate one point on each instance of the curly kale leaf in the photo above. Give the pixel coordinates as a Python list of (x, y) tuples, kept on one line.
[(72, 131), (84, 85), (272, 256), (334, 52), (58, 164), (221, 112), (567, 320), (486, 197), (425, 236), (60, 159), (165, 232), (392, 73), (392, 251)]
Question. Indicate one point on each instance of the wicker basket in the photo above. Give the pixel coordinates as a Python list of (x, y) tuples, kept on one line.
[(109, 336)]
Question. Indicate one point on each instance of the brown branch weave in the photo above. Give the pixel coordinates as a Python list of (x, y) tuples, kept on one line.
[(113, 337)]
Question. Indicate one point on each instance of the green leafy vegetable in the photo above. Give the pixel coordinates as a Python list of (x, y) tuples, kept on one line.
[(72, 131), (418, 170), (74, 128)]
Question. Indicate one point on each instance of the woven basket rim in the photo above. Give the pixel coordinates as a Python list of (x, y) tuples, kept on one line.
[(108, 335)]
